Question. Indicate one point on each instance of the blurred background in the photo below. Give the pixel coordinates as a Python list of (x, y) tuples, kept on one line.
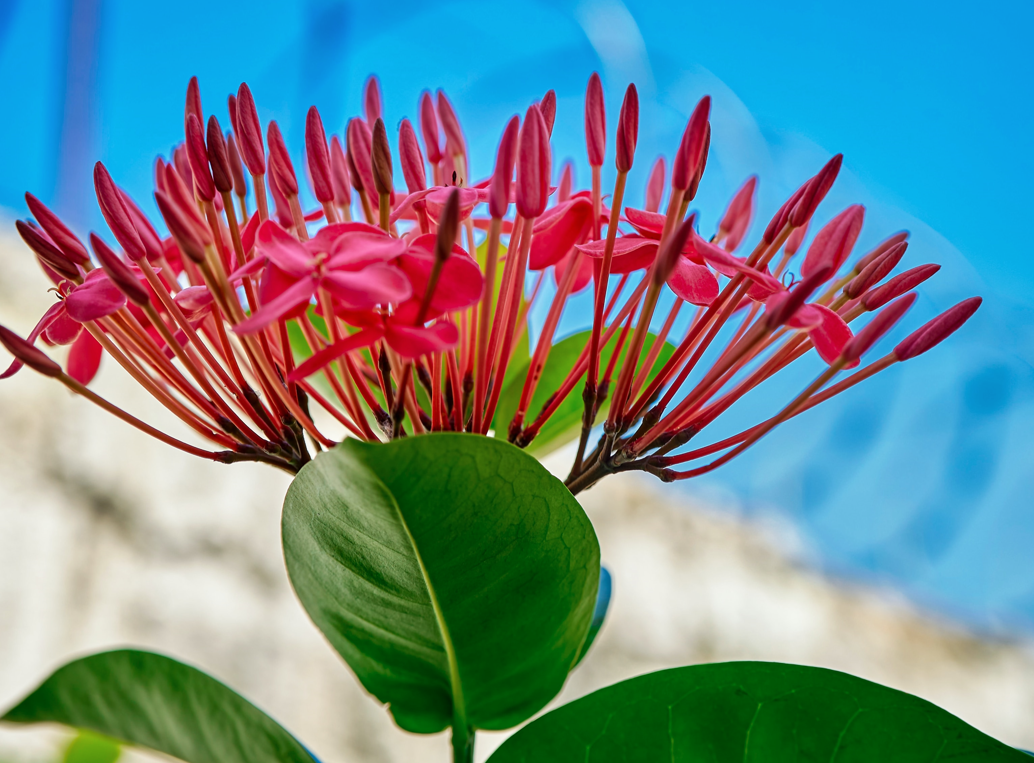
[(887, 533)]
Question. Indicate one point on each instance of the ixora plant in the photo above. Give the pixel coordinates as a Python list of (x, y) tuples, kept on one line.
[(459, 579)]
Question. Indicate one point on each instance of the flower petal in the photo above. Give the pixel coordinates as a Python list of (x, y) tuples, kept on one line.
[(288, 300), (649, 224), (557, 231), (693, 283), (356, 250), (363, 338), (831, 335), (378, 284), (413, 341), (459, 285), (95, 298), (84, 358), (631, 253), (289, 254), (62, 330)]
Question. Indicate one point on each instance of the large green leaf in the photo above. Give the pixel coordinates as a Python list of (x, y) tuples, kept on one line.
[(88, 747), (153, 701), (454, 574), (566, 422), (750, 712)]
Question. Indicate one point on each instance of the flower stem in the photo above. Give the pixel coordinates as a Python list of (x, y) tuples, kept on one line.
[(462, 744)]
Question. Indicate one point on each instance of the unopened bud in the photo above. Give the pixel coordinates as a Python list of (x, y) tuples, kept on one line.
[(548, 108), (372, 100), (670, 252), (628, 130), (66, 241), (119, 272), (936, 331), (533, 165), (380, 158), (502, 178), (197, 153), (411, 159), (319, 157), (897, 286), (448, 226), (218, 157), (339, 174), (883, 322), (687, 159), (595, 121), (249, 132), (429, 128), (655, 185), (115, 213), (31, 356), (280, 166), (46, 250)]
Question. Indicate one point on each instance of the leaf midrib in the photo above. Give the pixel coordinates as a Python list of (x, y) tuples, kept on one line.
[(459, 710)]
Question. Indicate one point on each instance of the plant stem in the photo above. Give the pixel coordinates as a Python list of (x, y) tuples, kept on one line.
[(462, 744)]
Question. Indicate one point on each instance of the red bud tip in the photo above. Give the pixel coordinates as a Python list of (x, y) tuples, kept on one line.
[(876, 328), (411, 159), (429, 128), (183, 232), (499, 190), (628, 130), (240, 187), (249, 132), (738, 215), (655, 185), (46, 250), (448, 226), (669, 254), (380, 156), (115, 213), (197, 153), (31, 356), (231, 107), (691, 148), (563, 190), (181, 162), (797, 297), (318, 156), (834, 242), (66, 241), (280, 165), (548, 108), (280, 204), (372, 100), (339, 174), (148, 235), (184, 200), (595, 121), (875, 271), (936, 331), (534, 165), (880, 248), (815, 191), (193, 105), (360, 147), (454, 140), (218, 157), (159, 173), (118, 271), (694, 184), (897, 286)]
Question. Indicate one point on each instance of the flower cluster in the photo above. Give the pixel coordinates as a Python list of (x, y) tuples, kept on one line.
[(243, 321)]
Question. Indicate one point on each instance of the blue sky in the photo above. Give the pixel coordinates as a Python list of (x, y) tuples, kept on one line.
[(923, 478)]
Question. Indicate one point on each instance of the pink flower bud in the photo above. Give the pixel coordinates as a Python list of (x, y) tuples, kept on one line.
[(183, 232), (880, 248), (448, 226), (46, 250), (159, 173), (31, 356), (454, 140), (738, 214), (499, 190), (548, 108), (595, 121), (668, 256), (118, 271), (198, 156), (236, 168), (193, 105), (148, 235), (694, 184), (429, 128), (115, 213), (897, 286), (655, 185), (875, 271), (563, 191), (798, 295), (692, 146), (231, 107), (380, 157), (876, 328), (834, 242), (181, 161), (628, 130), (936, 331), (218, 157), (339, 174), (372, 101), (184, 200), (249, 132), (411, 159), (782, 216), (815, 191), (534, 165), (319, 157), (66, 241), (280, 204), (360, 147), (280, 165)]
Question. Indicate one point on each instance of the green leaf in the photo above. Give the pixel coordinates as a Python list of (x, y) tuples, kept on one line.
[(153, 701), (453, 573), (751, 712), (566, 422), (88, 747)]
